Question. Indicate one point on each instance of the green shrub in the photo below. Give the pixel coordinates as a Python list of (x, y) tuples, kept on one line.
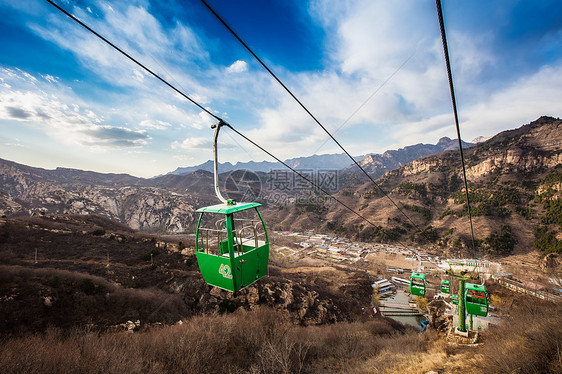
[(426, 213), (446, 213), (427, 235), (98, 232), (407, 188), (552, 178), (505, 195), (524, 211), (502, 242), (88, 286), (546, 241), (147, 256), (503, 212), (553, 212)]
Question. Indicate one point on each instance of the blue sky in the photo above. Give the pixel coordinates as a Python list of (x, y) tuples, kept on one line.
[(371, 71)]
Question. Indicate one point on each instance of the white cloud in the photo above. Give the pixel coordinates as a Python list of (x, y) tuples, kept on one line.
[(191, 144), (30, 102), (238, 66), (366, 41), (50, 78), (200, 143), (155, 124), (168, 52), (521, 102), (110, 136), (370, 40)]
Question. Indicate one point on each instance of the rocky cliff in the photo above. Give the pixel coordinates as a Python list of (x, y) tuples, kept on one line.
[(123, 198), (513, 183), (378, 164)]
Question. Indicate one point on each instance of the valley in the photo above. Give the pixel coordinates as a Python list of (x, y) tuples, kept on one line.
[(107, 262), (84, 281)]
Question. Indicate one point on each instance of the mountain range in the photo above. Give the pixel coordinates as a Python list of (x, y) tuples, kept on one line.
[(514, 179), (515, 184), (332, 161), (74, 287), (376, 164), (164, 203)]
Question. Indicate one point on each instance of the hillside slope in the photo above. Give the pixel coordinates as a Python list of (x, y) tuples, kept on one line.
[(161, 204), (515, 183), (378, 164), (74, 270)]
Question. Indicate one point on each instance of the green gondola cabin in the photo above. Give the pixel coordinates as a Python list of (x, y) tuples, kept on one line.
[(475, 299), (445, 286), (232, 252), (455, 299), (417, 284)]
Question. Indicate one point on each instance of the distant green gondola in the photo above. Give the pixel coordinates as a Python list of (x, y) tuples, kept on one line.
[(476, 300), (455, 299), (445, 286), (417, 284)]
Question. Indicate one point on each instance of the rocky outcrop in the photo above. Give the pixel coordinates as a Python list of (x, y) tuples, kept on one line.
[(551, 262), (26, 190), (302, 304), (378, 164), (529, 148)]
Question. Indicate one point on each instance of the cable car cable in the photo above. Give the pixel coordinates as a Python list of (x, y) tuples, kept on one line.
[(228, 125), (304, 177), (208, 111), (310, 113), (454, 102), (232, 128), (133, 60), (299, 174), (370, 97)]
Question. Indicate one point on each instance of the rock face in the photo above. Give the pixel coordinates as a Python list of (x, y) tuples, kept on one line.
[(505, 174), (302, 304), (531, 147), (378, 164), (550, 262), (26, 190)]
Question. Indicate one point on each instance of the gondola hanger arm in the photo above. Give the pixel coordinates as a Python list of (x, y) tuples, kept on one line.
[(217, 128)]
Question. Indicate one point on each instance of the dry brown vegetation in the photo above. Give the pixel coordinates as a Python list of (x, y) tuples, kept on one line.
[(73, 284), (34, 299), (258, 342), (85, 302), (264, 341), (528, 341)]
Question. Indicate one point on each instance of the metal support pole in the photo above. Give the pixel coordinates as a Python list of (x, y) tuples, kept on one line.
[(217, 128), (462, 320), (470, 326)]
